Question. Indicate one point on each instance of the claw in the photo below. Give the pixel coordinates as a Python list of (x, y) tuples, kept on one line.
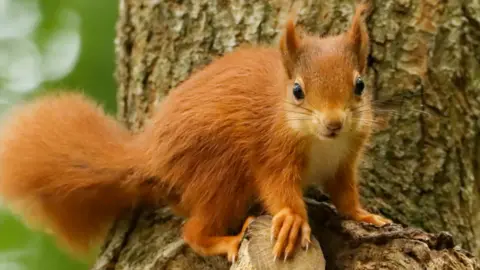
[(274, 258), (233, 259), (286, 228), (365, 216)]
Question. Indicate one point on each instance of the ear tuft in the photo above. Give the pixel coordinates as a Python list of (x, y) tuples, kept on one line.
[(290, 43), (358, 34)]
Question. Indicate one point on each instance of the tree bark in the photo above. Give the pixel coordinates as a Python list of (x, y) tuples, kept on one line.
[(423, 170), (151, 240)]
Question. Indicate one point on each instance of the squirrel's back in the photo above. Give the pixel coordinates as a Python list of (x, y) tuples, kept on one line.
[(61, 157), (208, 131)]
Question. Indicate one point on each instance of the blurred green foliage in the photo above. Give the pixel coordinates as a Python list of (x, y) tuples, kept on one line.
[(48, 45)]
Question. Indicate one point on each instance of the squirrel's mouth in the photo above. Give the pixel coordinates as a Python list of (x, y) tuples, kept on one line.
[(327, 135), (331, 135)]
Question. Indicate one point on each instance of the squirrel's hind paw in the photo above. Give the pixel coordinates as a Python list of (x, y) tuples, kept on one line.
[(365, 216)]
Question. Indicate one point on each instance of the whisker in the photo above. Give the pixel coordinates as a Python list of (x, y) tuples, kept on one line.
[(394, 99), (370, 123), (307, 118), (297, 106), (387, 101), (297, 119), (361, 119), (421, 111), (361, 110), (302, 113), (403, 95), (372, 104), (384, 110), (394, 112), (371, 126)]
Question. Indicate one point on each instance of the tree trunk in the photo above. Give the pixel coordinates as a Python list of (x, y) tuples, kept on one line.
[(422, 170)]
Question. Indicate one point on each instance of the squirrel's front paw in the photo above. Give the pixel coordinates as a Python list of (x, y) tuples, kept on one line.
[(286, 225), (365, 216)]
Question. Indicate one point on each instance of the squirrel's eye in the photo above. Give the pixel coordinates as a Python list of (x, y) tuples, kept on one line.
[(359, 86), (298, 92)]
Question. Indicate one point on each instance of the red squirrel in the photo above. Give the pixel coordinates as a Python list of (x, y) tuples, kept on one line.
[(258, 124)]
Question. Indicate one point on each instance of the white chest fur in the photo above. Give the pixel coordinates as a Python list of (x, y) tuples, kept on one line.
[(324, 158)]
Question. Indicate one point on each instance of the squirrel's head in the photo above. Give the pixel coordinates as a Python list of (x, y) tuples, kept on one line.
[(326, 91)]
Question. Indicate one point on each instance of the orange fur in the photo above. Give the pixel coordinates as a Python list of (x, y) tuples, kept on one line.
[(229, 135), (64, 165)]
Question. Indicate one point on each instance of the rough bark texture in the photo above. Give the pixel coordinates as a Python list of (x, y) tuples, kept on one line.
[(423, 170), (151, 240)]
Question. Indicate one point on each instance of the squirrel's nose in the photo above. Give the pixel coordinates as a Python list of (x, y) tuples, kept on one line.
[(334, 125)]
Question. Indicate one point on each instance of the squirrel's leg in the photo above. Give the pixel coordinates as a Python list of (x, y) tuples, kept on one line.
[(200, 237), (344, 194), (283, 198)]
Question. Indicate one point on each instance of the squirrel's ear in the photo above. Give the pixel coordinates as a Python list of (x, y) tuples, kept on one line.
[(289, 45), (357, 35)]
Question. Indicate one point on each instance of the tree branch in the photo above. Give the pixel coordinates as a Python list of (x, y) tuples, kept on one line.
[(152, 240)]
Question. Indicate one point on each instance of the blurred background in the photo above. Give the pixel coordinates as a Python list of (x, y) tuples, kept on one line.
[(49, 45)]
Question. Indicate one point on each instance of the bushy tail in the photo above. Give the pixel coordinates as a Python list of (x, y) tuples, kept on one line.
[(65, 166)]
